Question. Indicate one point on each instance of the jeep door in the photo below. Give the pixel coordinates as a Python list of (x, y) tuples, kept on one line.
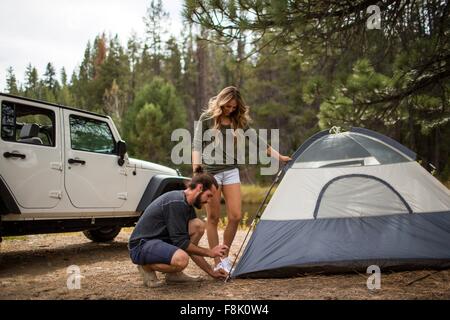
[(30, 151), (93, 177)]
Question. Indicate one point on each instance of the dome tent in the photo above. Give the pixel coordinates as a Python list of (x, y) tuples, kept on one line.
[(347, 201)]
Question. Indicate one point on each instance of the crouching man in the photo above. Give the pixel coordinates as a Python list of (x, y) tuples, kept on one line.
[(168, 233)]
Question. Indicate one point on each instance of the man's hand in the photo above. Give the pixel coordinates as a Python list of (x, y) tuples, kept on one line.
[(219, 274), (218, 251)]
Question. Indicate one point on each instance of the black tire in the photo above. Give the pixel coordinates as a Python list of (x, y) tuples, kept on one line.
[(103, 234), (1, 239)]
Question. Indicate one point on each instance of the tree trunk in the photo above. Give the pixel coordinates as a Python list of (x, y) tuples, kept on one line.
[(240, 57), (436, 150), (201, 98), (412, 140)]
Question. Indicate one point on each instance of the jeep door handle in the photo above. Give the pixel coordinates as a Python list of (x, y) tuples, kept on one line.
[(14, 155), (72, 161)]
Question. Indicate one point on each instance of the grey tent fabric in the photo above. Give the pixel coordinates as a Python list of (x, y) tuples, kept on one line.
[(359, 196), (347, 201), (334, 148), (381, 152), (391, 142), (288, 248), (348, 149)]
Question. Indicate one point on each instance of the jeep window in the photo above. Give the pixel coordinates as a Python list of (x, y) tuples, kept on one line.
[(27, 124), (91, 135)]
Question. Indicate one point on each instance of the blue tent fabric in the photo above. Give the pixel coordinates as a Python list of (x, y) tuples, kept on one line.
[(287, 248)]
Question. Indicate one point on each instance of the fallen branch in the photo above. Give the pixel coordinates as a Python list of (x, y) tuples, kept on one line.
[(424, 277)]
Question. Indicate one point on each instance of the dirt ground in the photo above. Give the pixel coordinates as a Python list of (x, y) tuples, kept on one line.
[(35, 267)]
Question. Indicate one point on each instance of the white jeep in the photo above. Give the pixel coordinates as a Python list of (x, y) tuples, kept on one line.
[(64, 169)]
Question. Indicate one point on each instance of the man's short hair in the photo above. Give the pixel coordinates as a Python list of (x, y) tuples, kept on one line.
[(204, 178)]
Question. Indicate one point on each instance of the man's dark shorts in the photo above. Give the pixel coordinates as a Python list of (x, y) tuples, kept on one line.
[(152, 251)]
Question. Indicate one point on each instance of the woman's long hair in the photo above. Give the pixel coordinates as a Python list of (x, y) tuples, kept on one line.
[(240, 117)]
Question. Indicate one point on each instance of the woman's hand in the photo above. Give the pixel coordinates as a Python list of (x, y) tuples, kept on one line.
[(273, 153), (285, 158), (194, 168), (196, 160)]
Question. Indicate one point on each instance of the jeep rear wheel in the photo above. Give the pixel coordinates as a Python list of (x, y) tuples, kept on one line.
[(102, 234)]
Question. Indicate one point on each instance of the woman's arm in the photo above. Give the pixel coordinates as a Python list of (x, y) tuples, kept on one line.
[(196, 160), (197, 144), (275, 154), (271, 151)]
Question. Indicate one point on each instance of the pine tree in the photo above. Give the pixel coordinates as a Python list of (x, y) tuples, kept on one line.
[(189, 77), (172, 63), (32, 88), (155, 113), (50, 81), (63, 75), (11, 82), (114, 82), (155, 27), (99, 55), (133, 52)]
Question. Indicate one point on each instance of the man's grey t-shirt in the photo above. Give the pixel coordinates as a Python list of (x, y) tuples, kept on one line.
[(166, 218)]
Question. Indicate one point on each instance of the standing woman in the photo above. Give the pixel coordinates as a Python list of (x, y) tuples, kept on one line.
[(225, 113)]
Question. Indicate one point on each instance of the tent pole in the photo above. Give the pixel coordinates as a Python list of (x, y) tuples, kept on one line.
[(257, 217)]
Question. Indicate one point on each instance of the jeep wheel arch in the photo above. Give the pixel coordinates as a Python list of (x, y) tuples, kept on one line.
[(7, 202), (158, 185)]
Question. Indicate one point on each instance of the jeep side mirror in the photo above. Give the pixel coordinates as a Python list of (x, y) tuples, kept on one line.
[(121, 150)]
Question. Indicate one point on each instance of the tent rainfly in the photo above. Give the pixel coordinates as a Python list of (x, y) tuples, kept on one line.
[(348, 201)]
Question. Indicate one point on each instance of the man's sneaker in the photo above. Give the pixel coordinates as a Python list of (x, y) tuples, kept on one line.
[(149, 278), (178, 277)]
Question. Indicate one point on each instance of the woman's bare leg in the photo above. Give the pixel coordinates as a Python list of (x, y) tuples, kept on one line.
[(232, 195), (213, 214)]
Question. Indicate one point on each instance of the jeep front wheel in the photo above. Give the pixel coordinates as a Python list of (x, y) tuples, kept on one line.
[(102, 234)]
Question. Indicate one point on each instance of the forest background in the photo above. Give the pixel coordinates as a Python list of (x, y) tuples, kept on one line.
[(302, 66)]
